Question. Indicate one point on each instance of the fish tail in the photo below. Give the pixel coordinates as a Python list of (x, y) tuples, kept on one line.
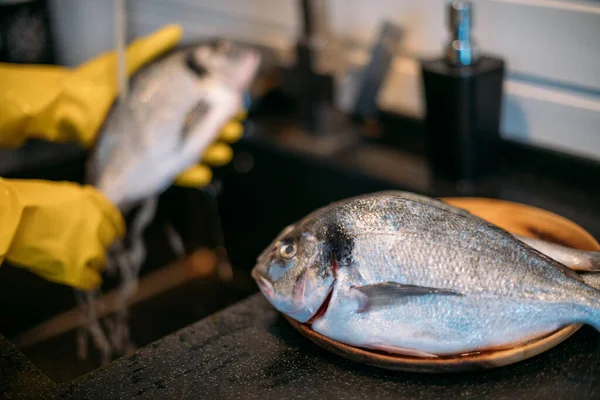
[(594, 259), (593, 319), (591, 306), (588, 261)]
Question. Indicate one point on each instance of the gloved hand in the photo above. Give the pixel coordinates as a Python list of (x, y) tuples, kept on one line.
[(217, 155), (60, 104), (60, 230), (57, 230)]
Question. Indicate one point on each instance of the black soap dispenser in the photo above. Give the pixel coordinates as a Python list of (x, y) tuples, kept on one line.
[(463, 95)]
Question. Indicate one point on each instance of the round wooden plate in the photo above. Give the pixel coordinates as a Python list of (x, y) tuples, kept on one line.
[(515, 218)]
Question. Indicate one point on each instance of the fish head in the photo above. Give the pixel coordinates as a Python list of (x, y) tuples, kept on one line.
[(231, 63), (295, 273)]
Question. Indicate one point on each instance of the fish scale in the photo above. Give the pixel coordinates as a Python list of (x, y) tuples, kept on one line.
[(428, 234)]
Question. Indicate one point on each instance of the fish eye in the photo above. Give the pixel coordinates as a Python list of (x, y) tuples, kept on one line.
[(288, 250)]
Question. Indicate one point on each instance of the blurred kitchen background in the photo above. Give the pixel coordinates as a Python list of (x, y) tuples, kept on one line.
[(552, 86), (363, 129)]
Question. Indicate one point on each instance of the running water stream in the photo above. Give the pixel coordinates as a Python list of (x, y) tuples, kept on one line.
[(113, 339)]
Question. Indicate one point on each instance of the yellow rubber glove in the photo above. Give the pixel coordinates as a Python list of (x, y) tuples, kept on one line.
[(217, 155), (59, 104), (58, 230)]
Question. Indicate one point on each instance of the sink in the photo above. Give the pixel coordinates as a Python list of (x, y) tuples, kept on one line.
[(173, 291), (168, 299)]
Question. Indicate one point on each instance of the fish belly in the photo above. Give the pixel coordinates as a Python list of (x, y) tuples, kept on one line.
[(440, 326)]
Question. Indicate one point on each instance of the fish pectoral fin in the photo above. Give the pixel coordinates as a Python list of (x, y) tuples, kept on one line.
[(385, 294), (402, 350)]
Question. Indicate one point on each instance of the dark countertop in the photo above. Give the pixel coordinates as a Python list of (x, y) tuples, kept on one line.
[(249, 351), (19, 378)]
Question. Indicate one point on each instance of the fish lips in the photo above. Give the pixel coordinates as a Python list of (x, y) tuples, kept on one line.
[(264, 284)]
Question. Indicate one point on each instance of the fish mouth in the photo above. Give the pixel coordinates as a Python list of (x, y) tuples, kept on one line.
[(263, 283)]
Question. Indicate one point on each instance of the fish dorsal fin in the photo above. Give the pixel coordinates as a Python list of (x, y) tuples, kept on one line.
[(429, 201), (381, 295)]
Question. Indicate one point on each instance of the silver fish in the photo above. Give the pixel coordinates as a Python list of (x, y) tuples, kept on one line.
[(174, 111), (408, 274)]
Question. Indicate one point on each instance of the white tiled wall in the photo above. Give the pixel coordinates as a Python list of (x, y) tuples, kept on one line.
[(552, 49)]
